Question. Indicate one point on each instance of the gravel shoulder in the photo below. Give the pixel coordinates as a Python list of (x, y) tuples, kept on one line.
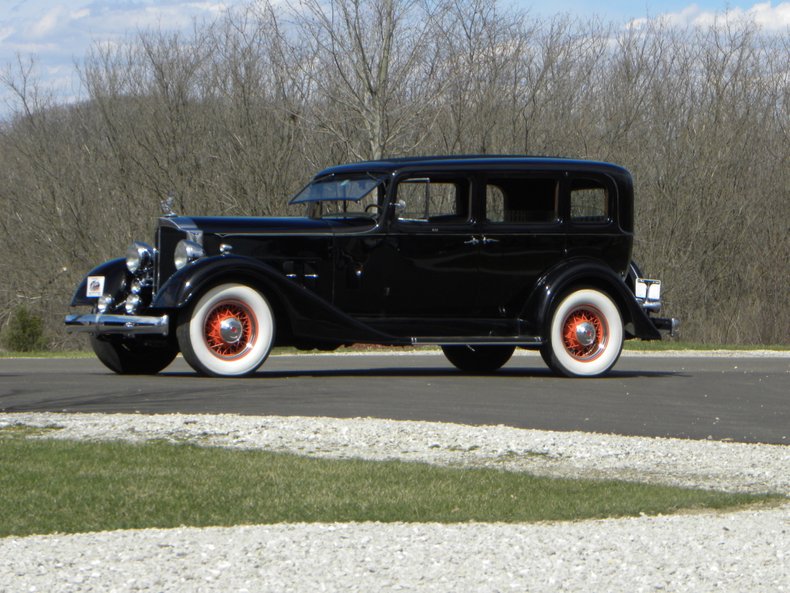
[(741, 551), (737, 467)]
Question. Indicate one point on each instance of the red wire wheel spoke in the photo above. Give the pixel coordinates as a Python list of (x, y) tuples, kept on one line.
[(579, 350), (212, 330)]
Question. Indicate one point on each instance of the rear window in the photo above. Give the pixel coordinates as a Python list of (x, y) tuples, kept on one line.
[(589, 201)]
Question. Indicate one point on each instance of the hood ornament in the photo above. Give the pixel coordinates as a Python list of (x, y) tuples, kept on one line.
[(167, 205)]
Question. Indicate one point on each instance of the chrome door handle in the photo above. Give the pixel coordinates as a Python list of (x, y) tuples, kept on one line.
[(472, 241), (487, 241)]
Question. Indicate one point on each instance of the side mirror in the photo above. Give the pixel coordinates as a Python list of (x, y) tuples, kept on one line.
[(399, 205)]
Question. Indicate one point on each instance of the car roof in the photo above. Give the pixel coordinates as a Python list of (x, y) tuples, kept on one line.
[(476, 162)]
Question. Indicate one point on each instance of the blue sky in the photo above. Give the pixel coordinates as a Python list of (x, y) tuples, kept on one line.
[(59, 32), (687, 11)]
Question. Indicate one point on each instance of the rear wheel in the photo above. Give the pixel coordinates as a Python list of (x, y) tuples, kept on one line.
[(134, 355), (478, 359), (227, 332), (585, 336)]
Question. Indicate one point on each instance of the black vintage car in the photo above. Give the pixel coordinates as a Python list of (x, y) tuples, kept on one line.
[(478, 255)]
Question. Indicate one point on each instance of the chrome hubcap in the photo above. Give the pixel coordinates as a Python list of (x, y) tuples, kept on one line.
[(585, 333), (231, 330)]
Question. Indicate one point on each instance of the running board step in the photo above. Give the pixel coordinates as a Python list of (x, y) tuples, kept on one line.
[(479, 341)]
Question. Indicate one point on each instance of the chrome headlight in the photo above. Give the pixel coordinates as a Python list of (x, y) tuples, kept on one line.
[(132, 302), (104, 303), (187, 252), (139, 257)]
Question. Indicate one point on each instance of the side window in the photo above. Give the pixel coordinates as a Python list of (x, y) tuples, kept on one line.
[(513, 200), (495, 203), (589, 201), (433, 199)]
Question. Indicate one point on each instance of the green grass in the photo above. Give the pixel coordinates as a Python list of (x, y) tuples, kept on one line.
[(49, 354), (51, 486), (664, 345)]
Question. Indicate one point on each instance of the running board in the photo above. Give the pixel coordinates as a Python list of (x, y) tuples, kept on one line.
[(478, 341)]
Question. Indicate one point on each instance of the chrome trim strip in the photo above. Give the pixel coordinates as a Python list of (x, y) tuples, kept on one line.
[(102, 323)]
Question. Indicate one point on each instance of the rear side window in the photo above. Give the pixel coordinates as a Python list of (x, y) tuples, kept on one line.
[(526, 200), (589, 201)]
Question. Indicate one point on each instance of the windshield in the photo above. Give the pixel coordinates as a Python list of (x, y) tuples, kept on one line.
[(342, 196)]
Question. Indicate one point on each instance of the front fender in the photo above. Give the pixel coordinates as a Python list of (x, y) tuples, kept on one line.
[(587, 273), (308, 314), (116, 278), (190, 280)]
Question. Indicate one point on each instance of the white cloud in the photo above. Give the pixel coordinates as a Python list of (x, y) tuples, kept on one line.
[(59, 33), (174, 15), (80, 14), (6, 32), (769, 17), (47, 24)]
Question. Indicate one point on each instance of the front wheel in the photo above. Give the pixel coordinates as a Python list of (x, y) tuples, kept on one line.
[(134, 355), (227, 332), (585, 336), (478, 359)]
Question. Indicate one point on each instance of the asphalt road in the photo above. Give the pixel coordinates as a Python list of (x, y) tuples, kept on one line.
[(731, 398)]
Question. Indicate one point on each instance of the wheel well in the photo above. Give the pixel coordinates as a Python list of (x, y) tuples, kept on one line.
[(272, 295), (595, 283)]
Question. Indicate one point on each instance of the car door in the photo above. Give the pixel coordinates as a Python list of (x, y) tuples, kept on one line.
[(423, 268), (521, 237)]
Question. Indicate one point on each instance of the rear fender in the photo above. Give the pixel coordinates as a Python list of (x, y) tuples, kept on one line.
[(576, 274)]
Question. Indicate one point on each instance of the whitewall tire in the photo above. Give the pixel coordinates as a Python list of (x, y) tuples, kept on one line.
[(585, 335), (227, 332)]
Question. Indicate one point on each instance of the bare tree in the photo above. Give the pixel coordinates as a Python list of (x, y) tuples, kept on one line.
[(372, 67), (233, 117)]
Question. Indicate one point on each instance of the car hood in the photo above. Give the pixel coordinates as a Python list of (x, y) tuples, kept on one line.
[(230, 225)]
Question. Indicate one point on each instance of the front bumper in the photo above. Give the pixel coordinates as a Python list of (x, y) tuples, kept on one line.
[(102, 323)]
